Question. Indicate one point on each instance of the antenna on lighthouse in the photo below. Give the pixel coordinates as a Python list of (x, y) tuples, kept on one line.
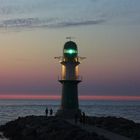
[(70, 38)]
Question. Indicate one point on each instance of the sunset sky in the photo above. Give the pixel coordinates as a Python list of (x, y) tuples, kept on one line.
[(33, 32)]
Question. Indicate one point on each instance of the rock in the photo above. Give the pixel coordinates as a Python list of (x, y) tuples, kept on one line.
[(54, 128), (45, 128), (121, 126)]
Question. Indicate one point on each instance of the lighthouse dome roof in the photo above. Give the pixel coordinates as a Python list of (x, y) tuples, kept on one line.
[(70, 45)]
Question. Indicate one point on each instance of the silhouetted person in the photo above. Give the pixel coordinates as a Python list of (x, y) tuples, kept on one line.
[(83, 118), (51, 112), (76, 118), (46, 111)]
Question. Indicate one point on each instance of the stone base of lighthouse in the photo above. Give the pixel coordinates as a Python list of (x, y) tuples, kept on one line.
[(68, 113), (69, 102)]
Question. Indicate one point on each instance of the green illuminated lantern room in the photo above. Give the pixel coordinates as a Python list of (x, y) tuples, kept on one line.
[(70, 50)]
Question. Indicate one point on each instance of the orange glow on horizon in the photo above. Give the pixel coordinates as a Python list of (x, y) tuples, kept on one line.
[(110, 97), (53, 97), (56, 97)]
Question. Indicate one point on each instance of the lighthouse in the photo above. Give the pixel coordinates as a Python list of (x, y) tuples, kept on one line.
[(69, 79)]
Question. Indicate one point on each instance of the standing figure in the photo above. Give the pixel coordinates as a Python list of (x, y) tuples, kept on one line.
[(83, 118), (51, 112), (46, 111)]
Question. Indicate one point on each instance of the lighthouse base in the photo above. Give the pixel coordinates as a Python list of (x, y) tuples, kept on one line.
[(68, 113)]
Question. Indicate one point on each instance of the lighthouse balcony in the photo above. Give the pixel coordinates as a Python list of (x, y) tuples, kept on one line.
[(77, 78)]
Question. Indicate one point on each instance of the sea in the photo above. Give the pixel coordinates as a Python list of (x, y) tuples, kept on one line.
[(12, 109)]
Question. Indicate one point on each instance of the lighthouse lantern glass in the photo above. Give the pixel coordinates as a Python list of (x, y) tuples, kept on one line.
[(70, 51)]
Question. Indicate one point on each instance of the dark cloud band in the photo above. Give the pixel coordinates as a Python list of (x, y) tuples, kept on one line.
[(50, 23)]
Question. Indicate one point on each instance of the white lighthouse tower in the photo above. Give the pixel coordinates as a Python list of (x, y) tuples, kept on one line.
[(69, 79)]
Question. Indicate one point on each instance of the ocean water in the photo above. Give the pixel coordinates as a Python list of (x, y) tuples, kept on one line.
[(12, 109)]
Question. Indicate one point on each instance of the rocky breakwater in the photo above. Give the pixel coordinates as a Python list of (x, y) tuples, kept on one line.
[(120, 126), (45, 128)]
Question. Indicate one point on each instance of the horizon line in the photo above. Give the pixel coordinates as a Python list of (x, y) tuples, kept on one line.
[(81, 97)]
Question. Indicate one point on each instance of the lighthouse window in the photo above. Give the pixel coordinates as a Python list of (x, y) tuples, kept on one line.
[(70, 51)]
